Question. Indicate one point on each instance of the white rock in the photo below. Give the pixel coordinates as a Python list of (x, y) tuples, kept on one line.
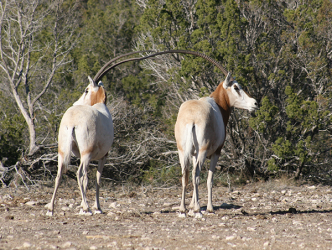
[(26, 245), (251, 229), (31, 203), (232, 237), (67, 244), (114, 204)]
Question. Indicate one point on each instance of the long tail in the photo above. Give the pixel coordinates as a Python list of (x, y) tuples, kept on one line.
[(66, 147), (187, 148)]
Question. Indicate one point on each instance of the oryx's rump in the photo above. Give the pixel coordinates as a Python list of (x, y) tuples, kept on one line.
[(203, 118), (92, 130)]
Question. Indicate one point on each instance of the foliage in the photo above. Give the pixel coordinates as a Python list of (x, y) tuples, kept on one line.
[(280, 51)]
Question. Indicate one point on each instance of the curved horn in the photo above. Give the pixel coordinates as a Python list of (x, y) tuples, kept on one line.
[(101, 72), (168, 52)]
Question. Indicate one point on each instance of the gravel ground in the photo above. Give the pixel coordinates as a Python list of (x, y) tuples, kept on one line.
[(271, 215)]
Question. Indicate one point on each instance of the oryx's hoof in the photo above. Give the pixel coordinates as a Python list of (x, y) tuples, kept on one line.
[(97, 211), (49, 213), (82, 212), (197, 215), (209, 211), (182, 215)]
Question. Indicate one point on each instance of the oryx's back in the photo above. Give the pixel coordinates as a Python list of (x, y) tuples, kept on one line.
[(92, 128), (204, 118)]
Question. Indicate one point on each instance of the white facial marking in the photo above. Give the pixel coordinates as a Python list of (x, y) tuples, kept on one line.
[(240, 98)]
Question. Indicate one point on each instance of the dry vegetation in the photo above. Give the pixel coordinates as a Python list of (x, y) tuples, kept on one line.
[(271, 215)]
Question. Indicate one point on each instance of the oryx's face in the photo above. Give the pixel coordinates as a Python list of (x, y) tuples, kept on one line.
[(238, 97), (94, 93)]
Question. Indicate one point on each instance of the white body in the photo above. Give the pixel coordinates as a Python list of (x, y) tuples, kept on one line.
[(86, 129), (200, 132)]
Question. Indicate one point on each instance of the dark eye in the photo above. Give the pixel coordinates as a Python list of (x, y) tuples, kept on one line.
[(236, 88), (86, 90)]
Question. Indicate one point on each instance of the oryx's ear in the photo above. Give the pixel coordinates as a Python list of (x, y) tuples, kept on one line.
[(227, 81), (92, 83)]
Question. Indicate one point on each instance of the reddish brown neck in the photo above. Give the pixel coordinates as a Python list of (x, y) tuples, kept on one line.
[(221, 98), (99, 97)]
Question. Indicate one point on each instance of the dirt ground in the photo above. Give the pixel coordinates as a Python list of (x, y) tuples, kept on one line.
[(271, 215)]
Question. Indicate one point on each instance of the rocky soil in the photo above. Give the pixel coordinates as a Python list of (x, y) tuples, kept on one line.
[(271, 215)]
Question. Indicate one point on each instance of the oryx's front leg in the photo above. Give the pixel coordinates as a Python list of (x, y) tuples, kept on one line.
[(96, 206), (213, 163)]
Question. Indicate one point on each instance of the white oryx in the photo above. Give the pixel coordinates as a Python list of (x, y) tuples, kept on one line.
[(200, 131), (86, 129)]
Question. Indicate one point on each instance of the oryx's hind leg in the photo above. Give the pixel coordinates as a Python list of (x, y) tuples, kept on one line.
[(195, 179), (96, 206), (185, 176), (193, 198), (82, 179), (61, 166), (213, 163)]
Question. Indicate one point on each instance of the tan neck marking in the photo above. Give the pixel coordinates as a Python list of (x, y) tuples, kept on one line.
[(99, 97), (221, 98)]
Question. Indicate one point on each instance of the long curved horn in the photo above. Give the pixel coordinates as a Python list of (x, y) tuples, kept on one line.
[(168, 52), (101, 73)]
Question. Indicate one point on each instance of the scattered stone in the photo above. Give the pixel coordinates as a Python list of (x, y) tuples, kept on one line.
[(232, 237), (251, 229), (26, 245), (114, 205), (31, 203), (225, 217), (67, 244)]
